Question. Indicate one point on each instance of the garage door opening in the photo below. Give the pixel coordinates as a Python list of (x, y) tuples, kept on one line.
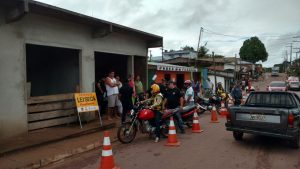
[(51, 70), (105, 62)]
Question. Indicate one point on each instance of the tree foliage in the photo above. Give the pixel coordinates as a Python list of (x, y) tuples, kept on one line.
[(202, 52), (253, 50), (294, 69), (187, 48)]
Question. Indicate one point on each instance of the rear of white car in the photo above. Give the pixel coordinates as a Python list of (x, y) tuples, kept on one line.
[(294, 85), (277, 86)]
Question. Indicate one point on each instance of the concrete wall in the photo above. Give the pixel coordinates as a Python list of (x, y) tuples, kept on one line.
[(48, 31)]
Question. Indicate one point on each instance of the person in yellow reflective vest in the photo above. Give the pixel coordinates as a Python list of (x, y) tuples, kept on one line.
[(223, 94), (156, 104)]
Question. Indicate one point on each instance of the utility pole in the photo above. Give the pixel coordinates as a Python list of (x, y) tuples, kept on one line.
[(285, 59), (215, 73), (291, 54), (162, 54), (198, 47), (200, 34), (235, 74), (150, 55)]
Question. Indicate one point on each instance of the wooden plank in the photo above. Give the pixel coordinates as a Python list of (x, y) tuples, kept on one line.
[(50, 98), (52, 122), (50, 106), (50, 114)]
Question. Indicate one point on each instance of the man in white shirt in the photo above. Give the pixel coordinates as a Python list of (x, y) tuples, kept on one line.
[(112, 90), (189, 94)]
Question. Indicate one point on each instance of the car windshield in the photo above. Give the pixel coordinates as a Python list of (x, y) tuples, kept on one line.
[(277, 84), (295, 83), (271, 100)]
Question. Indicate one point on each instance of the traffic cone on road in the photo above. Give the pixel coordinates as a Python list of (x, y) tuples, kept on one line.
[(107, 159), (223, 112), (172, 138), (214, 117), (196, 125), (222, 104)]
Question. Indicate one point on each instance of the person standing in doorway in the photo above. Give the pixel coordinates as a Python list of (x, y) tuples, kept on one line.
[(139, 88), (131, 83), (101, 95), (112, 95), (119, 82), (126, 92)]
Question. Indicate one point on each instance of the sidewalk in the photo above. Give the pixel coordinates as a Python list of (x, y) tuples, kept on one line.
[(51, 145)]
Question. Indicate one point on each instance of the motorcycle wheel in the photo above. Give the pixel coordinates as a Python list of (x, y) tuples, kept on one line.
[(164, 131), (124, 135), (189, 122)]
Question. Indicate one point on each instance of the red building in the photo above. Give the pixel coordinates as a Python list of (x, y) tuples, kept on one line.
[(159, 71)]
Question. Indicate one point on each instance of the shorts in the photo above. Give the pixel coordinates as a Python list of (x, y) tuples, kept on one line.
[(113, 101)]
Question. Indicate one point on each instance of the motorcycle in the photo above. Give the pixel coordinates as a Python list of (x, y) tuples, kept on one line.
[(187, 113), (142, 119), (208, 103)]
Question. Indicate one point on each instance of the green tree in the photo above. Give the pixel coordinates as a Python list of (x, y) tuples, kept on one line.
[(294, 68), (202, 52), (253, 50), (187, 48), (219, 56)]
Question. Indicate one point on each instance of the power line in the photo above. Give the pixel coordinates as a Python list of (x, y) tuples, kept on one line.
[(282, 37)]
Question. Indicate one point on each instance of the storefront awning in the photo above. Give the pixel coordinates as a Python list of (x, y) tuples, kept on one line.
[(169, 67)]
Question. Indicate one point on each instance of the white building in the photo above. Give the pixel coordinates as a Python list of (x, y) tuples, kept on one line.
[(46, 50)]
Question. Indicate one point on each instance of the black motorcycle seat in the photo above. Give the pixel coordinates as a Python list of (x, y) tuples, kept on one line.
[(187, 109)]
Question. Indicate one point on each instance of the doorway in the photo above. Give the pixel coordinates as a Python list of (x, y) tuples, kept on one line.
[(180, 81)]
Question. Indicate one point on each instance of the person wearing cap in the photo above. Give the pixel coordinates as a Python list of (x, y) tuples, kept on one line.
[(174, 99), (189, 94), (237, 94)]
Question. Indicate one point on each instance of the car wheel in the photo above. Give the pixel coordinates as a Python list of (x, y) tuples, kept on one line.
[(238, 136), (295, 142)]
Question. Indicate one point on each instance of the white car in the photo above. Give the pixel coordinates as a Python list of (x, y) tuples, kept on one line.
[(294, 85)]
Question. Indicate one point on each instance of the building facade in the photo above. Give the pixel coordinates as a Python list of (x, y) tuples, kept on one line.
[(45, 50)]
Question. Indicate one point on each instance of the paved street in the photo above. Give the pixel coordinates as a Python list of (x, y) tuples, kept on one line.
[(214, 148)]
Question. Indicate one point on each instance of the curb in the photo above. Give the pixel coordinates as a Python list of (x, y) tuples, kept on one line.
[(60, 157), (90, 131)]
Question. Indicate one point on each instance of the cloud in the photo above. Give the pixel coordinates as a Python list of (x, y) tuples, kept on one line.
[(179, 21)]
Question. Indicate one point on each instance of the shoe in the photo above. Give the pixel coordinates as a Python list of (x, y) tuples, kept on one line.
[(182, 131), (156, 140)]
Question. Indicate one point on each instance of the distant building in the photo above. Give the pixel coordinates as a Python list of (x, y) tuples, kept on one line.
[(175, 54)]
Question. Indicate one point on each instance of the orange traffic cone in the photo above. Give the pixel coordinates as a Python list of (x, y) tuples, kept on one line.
[(222, 104), (107, 159), (172, 138), (214, 117), (223, 112), (196, 125)]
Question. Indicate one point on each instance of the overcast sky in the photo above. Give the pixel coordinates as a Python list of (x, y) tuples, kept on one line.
[(275, 22)]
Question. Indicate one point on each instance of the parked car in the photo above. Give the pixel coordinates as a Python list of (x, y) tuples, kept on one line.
[(274, 114), (294, 85), (277, 86)]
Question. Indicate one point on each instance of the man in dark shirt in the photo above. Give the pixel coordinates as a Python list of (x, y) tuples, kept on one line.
[(237, 94), (125, 94), (162, 87), (173, 100)]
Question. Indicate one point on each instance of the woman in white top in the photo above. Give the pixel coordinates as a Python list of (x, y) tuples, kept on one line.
[(112, 90)]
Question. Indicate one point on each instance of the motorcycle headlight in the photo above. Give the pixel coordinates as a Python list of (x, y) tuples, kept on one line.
[(131, 112), (209, 107)]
